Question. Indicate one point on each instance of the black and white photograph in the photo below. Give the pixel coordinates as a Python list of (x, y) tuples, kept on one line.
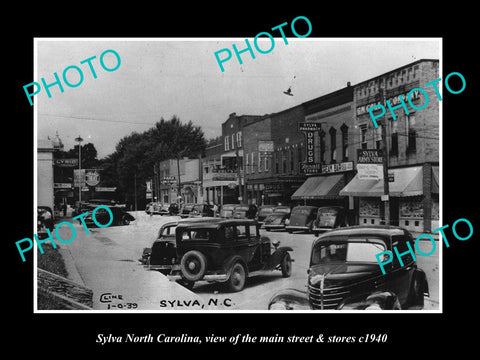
[(227, 180), (172, 179)]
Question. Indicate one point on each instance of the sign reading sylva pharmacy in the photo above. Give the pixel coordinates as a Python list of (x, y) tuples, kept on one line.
[(312, 163), (369, 164)]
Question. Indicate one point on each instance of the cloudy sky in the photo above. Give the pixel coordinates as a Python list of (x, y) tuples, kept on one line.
[(165, 77)]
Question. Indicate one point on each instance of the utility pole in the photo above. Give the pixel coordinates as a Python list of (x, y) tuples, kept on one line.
[(135, 189), (386, 191)]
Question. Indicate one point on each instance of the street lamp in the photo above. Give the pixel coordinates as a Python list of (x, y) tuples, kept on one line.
[(79, 140)]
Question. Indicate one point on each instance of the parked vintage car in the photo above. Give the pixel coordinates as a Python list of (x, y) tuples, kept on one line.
[(173, 209), (201, 210), (226, 251), (162, 254), (186, 209), (244, 211), (302, 218), (344, 273), (226, 211), (277, 220), (328, 218), (120, 216), (263, 212)]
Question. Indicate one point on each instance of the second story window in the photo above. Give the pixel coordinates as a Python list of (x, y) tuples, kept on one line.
[(411, 134), (233, 141), (394, 137), (239, 139), (363, 136), (227, 143), (378, 137), (333, 145), (344, 130)]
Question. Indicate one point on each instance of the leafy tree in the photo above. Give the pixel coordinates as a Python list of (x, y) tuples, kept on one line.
[(135, 155)]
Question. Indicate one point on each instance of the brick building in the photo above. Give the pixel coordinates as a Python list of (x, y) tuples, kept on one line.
[(333, 144), (273, 150), (412, 144), (223, 170)]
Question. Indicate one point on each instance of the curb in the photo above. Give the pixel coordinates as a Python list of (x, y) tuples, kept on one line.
[(73, 273)]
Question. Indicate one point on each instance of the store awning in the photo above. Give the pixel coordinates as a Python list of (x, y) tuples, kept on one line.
[(320, 187), (407, 182), (435, 181)]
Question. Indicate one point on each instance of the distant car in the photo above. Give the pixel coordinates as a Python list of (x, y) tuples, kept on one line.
[(344, 273), (244, 212), (226, 211), (185, 211), (227, 251), (161, 209), (102, 202), (328, 218), (120, 216), (173, 209), (162, 254), (302, 218), (277, 220), (263, 212), (44, 221), (201, 210)]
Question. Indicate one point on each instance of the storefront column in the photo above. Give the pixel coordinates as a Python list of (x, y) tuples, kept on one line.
[(427, 197)]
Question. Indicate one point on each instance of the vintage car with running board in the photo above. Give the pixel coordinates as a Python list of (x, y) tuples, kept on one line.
[(344, 273), (227, 251)]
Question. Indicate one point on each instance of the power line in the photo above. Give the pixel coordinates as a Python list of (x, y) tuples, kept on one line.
[(98, 119)]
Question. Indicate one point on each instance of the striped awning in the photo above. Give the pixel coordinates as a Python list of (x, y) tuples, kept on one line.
[(320, 187), (407, 182)]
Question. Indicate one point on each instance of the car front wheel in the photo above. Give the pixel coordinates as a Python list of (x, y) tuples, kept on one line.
[(125, 221), (237, 278), (286, 265)]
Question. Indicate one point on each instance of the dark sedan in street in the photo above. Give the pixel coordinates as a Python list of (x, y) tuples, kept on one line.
[(120, 216), (344, 273), (277, 220), (302, 218)]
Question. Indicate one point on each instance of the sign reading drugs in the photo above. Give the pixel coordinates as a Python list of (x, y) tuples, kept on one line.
[(312, 164), (369, 164)]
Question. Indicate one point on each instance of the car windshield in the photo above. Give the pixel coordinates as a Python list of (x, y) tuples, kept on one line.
[(265, 211), (282, 210), (168, 230), (354, 250), (301, 211)]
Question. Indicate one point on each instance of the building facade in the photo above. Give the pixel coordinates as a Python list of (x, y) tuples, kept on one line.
[(45, 195), (329, 164), (411, 144)]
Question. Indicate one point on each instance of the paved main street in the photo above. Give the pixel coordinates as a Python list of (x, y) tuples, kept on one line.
[(107, 262)]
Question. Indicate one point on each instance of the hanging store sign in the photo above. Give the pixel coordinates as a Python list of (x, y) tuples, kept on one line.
[(66, 162), (62, 185), (312, 164), (369, 164), (92, 177), (105, 189), (339, 167), (78, 177), (265, 146)]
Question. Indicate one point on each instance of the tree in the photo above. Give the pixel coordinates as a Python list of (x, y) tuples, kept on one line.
[(135, 154)]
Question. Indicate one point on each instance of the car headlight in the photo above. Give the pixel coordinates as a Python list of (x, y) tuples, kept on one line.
[(279, 305), (373, 306)]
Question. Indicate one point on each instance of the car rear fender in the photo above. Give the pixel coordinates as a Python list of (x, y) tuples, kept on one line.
[(422, 278), (276, 258), (228, 263)]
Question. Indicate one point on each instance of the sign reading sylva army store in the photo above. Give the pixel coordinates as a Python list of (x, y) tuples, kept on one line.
[(369, 164)]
